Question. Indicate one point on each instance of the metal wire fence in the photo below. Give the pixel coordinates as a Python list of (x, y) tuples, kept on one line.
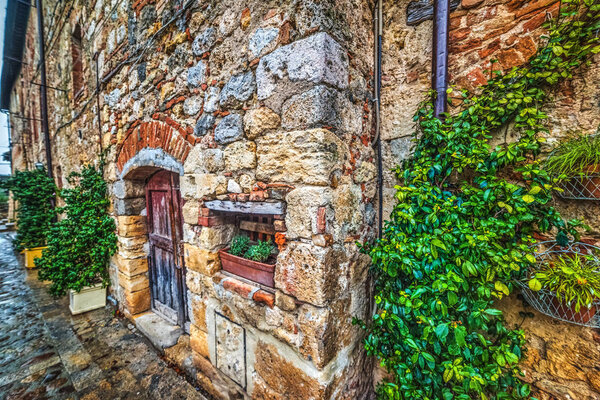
[(580, 187)]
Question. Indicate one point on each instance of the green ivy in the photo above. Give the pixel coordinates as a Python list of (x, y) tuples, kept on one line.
[(462, 227), (80, 245), (34, 193)]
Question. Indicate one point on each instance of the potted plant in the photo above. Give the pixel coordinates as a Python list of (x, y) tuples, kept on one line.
[(574, 280), (250, 261), (34, 192), (576, 163), (80, 245)]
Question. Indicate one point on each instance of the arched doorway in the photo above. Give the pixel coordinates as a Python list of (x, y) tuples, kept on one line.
[(165, 259)]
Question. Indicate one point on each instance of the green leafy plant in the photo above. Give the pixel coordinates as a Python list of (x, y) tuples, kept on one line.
[(460, 232), (573, 278), (579, 156), (259, 252), (34, 192), (81, 244), (239, 245)]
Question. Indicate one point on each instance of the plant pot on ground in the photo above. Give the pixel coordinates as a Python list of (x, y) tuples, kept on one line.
[(80, 244), (574, 281), (251, 261), (576, 163), (32, 254)]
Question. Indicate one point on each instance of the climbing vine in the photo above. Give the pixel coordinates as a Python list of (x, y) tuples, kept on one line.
[(34, 193), (462, 227), (80, 245)]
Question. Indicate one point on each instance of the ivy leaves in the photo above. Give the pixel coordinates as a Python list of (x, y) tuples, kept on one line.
[(80, 245), (34, 192), (461, 231)]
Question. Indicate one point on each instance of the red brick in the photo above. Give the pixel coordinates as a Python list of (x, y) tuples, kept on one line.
[(490, 49), (321, 220), (241, 288), (262, 296), (258, 195), (210, 221)]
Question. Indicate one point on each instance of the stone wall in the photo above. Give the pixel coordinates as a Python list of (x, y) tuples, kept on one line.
[(249, 102), (269, 102)]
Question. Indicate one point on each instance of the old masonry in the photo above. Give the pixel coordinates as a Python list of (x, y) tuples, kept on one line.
[(259, 116)]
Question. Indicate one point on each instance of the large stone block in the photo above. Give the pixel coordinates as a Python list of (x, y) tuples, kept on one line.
[(313, 109), (307, 157), (134, 247), (239, 88), (302, 206), (200, 260), (260, 120), (284, 377), (134, 283), (309, 273), (202, 160), (131, 225), (132, 267), (137, 302), (215, 237), (197, 186), (315, 59), (198, 311), (190, 212), (229, 129), (240, 155), (199, 341), (130, 206), (197, 74), (125, 189), (230, 349)]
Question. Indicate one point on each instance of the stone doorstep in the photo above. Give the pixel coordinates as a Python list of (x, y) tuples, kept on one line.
[(161, 333)]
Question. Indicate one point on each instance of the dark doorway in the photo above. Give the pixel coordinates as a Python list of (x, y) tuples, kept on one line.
[(167, 270)]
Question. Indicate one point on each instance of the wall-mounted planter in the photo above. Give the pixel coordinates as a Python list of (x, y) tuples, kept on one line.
[(582, 187), (255, 271), (547, 302), (31, 255), (88, 299)]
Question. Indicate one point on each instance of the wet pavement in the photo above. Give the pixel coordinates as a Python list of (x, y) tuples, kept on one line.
[(46, 353)]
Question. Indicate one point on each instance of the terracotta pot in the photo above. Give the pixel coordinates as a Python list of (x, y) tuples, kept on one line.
[(255, 271), (583, 316), (592, 180)]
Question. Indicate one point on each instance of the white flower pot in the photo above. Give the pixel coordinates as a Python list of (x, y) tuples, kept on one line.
[(90, 298)]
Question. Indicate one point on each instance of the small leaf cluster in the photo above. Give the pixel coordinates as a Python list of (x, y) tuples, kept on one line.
[(573, 278), (260, 252), (462, 228), (239, 245), (80, 245), (34, 193)]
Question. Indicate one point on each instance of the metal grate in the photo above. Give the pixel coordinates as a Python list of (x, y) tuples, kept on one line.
[(546, 301), (580, 187)]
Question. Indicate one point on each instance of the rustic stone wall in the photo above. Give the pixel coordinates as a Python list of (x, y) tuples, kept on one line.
[(248, 102), (270, 102)]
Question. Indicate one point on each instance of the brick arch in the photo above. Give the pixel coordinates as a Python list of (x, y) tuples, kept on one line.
[(167, 136)]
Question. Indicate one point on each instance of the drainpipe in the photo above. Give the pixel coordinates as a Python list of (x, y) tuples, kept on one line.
[(96, 57), (378, 32), (43, 85), (439, 81)]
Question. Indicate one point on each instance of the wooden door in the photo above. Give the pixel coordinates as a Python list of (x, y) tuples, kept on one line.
[(167, 272)]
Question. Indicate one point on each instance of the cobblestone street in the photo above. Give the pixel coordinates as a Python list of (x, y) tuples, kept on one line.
[(45, 353)]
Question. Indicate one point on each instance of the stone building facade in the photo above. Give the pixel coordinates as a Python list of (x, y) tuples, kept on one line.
[(262, 111)]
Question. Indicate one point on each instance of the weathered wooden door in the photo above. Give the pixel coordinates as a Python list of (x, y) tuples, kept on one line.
[(167, 272)]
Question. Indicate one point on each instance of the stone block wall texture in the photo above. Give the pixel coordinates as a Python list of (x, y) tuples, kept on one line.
[(271, 101)]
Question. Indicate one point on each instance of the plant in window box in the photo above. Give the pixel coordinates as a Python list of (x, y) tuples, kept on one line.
[(576, 164), (574, 280), (34, 192), (81, 244), (251, 261)]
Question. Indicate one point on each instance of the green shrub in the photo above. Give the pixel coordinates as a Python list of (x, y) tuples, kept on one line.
[(460, 232), (574, 157), (574, 279), (81, 244), (34, 193), (239, 245), (260, 252)]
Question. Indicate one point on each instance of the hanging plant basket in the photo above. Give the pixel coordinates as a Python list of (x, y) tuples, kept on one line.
[(547, 302), (582, 187)]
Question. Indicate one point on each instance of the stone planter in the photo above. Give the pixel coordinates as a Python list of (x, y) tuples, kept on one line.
[(255, 271), (88, 299), (32, 254)]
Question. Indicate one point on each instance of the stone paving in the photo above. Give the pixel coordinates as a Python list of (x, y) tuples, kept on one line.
[(45, 353)]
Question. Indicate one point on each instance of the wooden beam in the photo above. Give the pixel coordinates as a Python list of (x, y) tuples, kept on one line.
[(269, 229), (250, 207)]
